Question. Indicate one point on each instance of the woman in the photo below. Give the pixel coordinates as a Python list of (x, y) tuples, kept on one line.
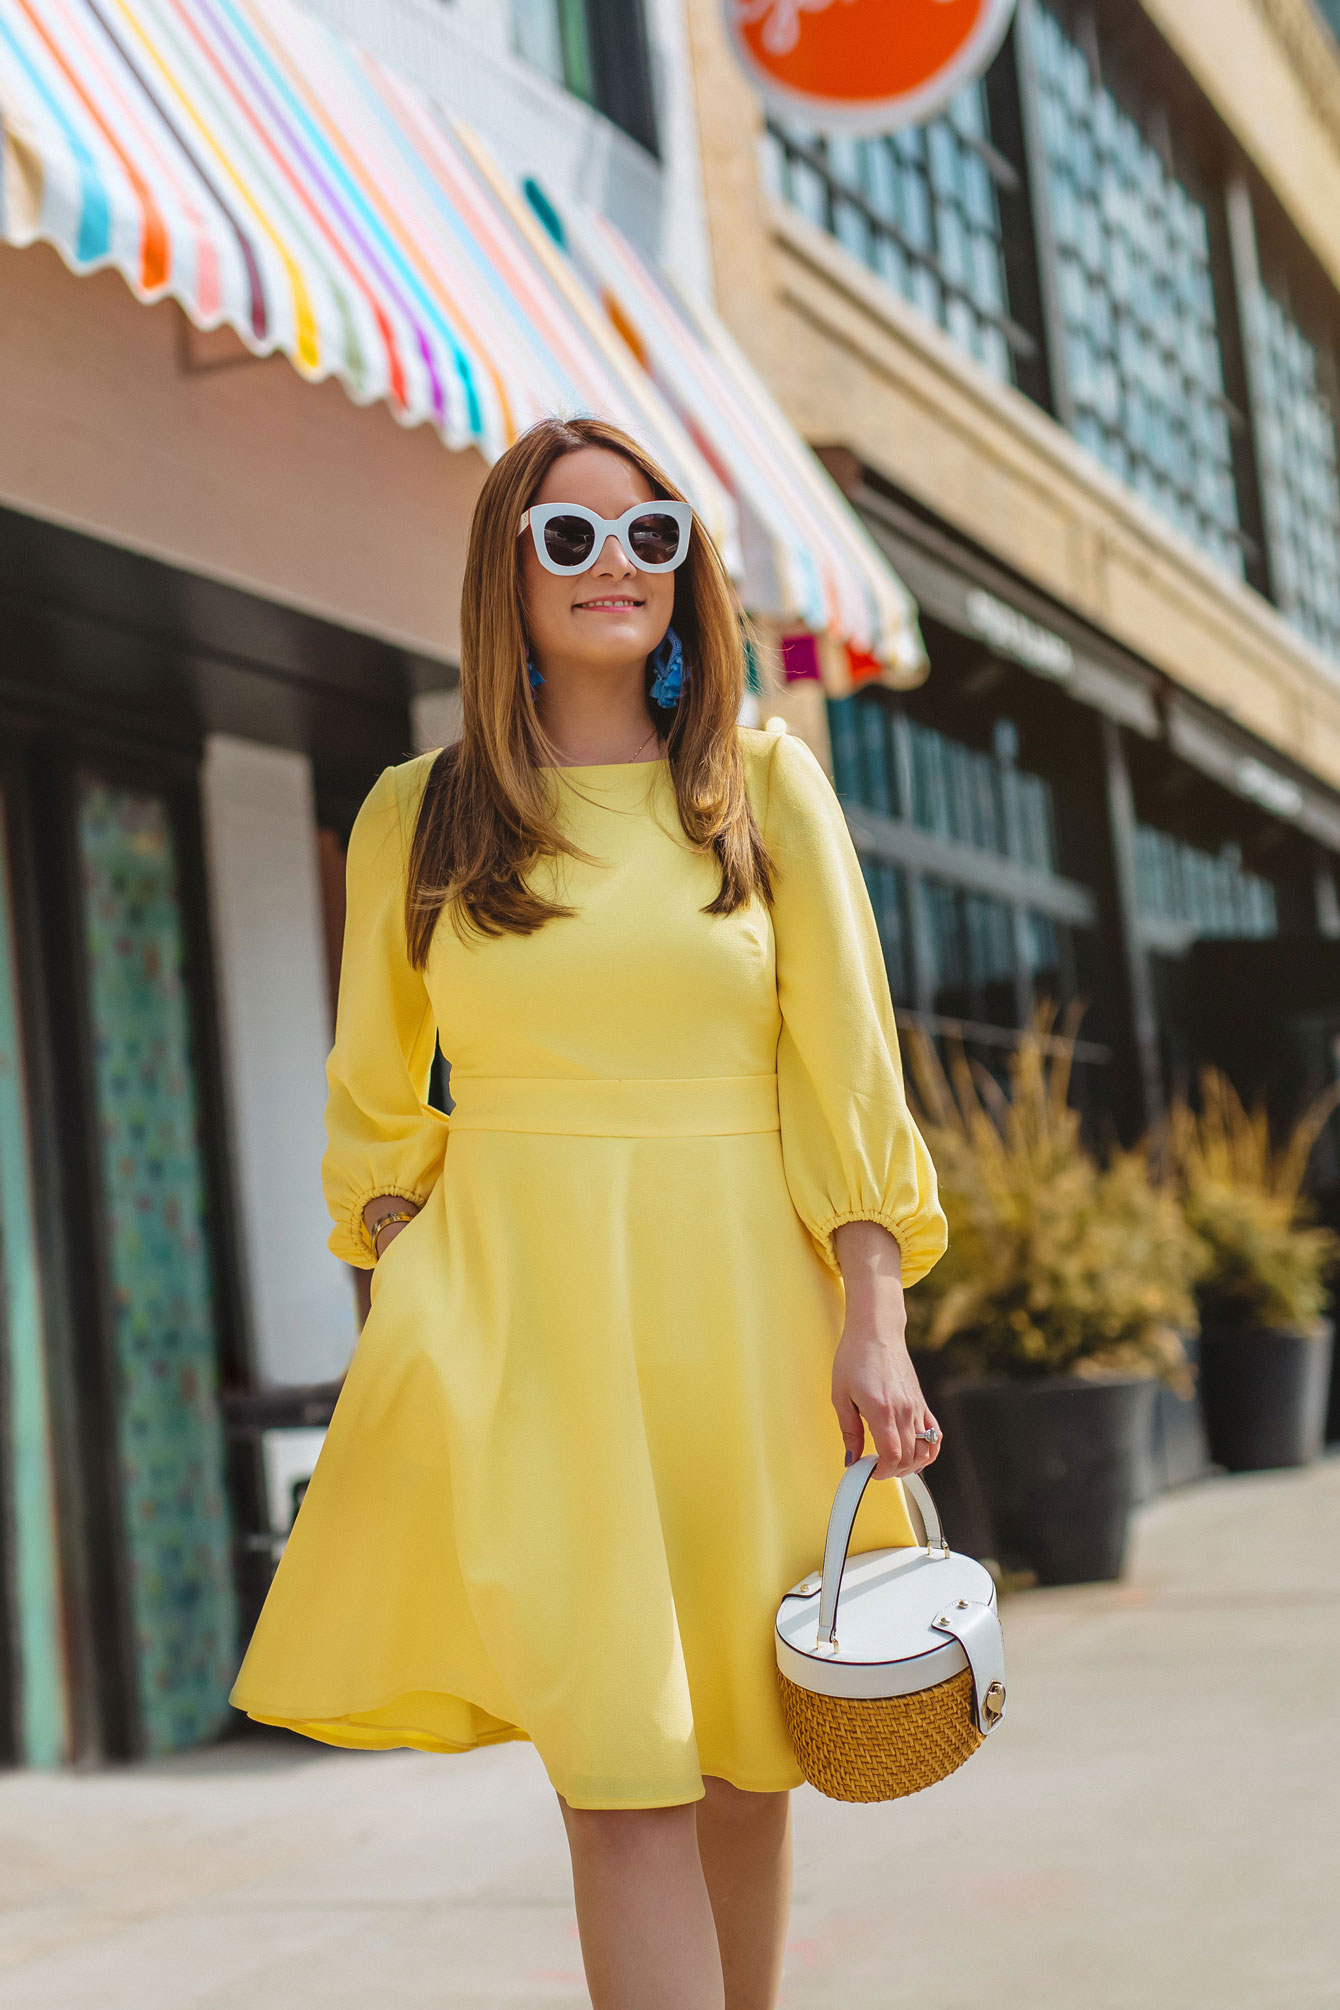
[(583, 1447)]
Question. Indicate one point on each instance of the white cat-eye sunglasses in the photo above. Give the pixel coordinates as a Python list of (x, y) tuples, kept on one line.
[(569, 538)]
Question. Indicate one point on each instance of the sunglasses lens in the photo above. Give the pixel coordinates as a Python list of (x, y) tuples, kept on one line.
[(654, 538), (569, 540)]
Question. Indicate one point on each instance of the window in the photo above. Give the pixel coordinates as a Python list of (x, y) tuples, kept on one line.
[(554, 36), (887, 887), (922, 209), (941, 785), (1300, 478), (1143, 366), (969, 939), (598, 50), (1209, 892)]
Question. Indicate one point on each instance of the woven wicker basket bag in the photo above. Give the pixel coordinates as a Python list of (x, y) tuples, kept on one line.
[(891, 1664)]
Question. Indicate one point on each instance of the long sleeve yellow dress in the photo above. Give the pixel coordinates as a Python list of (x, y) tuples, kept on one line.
[(586, 1442)]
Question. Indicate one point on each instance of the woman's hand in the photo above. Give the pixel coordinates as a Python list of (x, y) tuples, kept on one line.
[(874, 1382), (376, 1211)]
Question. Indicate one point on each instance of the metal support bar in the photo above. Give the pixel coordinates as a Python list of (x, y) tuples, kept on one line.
[(1035, 157), (1244, 257), (1147, 1074), (976, 1033)]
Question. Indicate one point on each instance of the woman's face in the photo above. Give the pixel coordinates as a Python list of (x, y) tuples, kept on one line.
[(612, 615)]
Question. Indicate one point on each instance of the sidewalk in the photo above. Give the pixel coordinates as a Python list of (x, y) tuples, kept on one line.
[(1156, 1825)]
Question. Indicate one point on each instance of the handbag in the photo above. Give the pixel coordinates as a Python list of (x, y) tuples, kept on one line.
[(891, 1664)]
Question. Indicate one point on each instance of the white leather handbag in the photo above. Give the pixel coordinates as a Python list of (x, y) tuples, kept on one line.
[(891, 1664)]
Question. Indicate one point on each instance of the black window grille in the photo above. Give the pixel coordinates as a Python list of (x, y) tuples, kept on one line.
[(1143, 370), (922, 208)]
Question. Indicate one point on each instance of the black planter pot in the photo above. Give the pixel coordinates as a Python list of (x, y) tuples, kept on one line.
[(1060, 1462), (1264, 1395)]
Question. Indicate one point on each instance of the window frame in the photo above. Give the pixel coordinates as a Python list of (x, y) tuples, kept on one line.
[(605, 52), (794, 151)]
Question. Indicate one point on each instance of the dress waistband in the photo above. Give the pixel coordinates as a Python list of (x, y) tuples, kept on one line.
[(709, 1106)]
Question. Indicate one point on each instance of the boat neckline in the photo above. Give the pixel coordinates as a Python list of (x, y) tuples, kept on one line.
[(601, 767)]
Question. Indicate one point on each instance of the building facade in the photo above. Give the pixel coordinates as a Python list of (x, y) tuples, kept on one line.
[(1070, 348)]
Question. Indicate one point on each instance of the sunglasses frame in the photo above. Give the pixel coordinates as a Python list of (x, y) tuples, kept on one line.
[(536, 518)]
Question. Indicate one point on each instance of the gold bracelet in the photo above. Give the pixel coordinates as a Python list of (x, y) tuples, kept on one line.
[(383, 1221)]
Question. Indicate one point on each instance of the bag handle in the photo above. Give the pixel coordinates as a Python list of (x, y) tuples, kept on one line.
[(846, 1500)]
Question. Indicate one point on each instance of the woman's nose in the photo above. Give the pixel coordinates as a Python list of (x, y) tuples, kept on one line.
[(613, 558)]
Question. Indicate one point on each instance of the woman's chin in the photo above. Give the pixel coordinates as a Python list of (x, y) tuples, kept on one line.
[(612, 648)]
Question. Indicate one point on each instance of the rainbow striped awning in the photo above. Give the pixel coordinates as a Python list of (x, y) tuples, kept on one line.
[(246, 160)]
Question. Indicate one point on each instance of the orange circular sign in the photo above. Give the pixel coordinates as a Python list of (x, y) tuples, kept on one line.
[(865, 65)]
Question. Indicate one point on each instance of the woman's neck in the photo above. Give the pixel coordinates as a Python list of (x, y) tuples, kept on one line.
[(598, 722)]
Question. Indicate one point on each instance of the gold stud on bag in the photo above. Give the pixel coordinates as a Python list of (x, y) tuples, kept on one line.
[(891, 1665)]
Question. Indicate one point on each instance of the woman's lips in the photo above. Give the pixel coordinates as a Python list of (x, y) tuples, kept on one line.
[(608, 604)]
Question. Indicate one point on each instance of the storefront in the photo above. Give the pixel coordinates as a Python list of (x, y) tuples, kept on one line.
[(229, 594), (138, 730), (1051, 820)]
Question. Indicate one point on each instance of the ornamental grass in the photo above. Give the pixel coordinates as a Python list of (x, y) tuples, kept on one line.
[(1059, 1262), (1264, 1263)]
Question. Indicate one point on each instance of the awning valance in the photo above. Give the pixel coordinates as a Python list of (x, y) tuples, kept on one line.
[(246, 160)]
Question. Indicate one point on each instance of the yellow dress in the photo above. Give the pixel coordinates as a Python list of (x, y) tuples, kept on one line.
[(586, 1442)]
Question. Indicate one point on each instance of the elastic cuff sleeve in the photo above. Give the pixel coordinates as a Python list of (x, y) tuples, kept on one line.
[(349, 1238), (824, 1233)]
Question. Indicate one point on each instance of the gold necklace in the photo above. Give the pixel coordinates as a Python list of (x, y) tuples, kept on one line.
[(627, 760)]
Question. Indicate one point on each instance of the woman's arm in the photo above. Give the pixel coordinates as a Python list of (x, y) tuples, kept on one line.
[(874, 1382), (385, 1143), (850, 1150)]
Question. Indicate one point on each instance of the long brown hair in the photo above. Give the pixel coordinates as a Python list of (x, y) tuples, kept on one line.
[(488, 812)]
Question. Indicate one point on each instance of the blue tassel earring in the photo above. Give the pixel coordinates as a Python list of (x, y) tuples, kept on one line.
[(667, 665), (535, 678)]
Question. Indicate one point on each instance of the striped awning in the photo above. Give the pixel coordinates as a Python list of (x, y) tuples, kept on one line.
[(810, 562), (246, 160)]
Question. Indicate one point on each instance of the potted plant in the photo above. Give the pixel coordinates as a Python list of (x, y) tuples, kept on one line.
[(1265, 1359), (1057, 1309)]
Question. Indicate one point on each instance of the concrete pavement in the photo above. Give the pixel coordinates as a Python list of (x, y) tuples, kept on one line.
[(1156, 1825)]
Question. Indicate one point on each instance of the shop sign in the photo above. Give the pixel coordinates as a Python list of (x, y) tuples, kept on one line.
[(865, 65), (1013, 634)]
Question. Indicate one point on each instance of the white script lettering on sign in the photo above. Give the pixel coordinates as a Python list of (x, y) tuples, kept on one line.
[(864, 65)]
